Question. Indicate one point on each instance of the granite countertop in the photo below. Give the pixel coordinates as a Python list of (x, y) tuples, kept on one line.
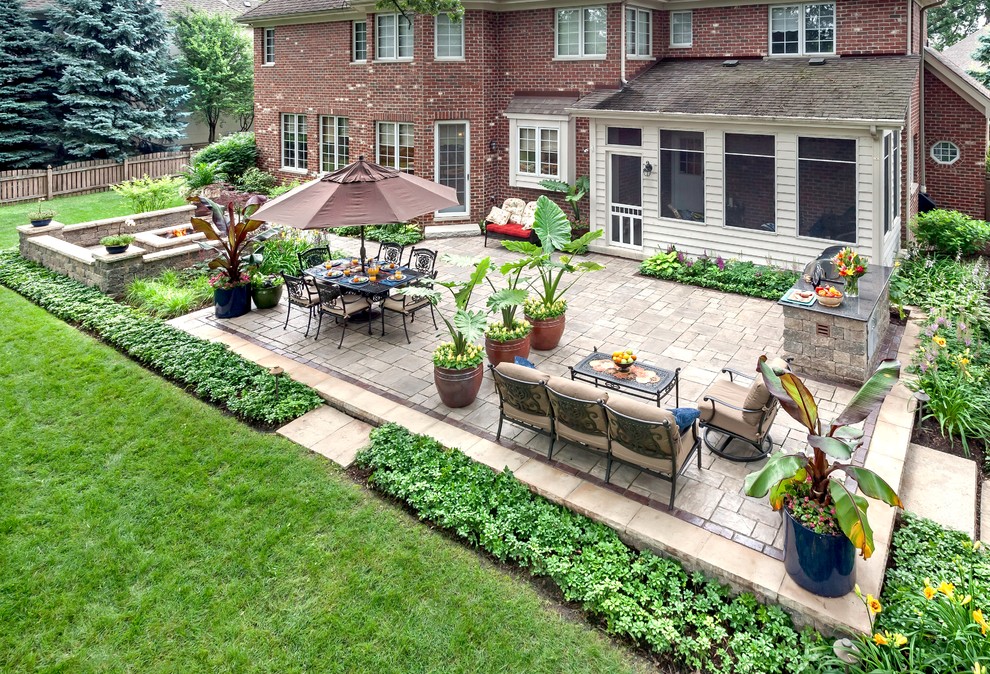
[(872, 286)]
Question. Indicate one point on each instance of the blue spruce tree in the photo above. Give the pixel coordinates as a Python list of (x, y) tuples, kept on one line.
[(27, 87), (115, 86)]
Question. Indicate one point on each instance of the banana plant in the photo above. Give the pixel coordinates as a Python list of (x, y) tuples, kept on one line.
[(235, 232), (831, 452)]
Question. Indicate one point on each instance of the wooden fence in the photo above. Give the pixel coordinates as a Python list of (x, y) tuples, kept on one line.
[(84, 177)]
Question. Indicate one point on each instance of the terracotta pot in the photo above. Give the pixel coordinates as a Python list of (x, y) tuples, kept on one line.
[(458, 388), (822, 564), (506, 352), (546, 332)]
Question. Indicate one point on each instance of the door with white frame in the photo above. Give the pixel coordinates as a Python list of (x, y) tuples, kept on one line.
[(625, 189), (453, 165)]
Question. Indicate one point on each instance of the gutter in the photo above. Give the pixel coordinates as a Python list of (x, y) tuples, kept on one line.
[(622, 43), (923, 174)]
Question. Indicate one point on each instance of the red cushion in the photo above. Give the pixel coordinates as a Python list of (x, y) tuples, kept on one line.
[(510, 229)]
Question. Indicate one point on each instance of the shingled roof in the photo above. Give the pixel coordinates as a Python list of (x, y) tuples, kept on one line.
[(850, 88), (279, 8)]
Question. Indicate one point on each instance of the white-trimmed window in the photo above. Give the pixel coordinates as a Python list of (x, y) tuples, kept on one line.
[(802, 29), (294, 146), (393, 37), (945, 152), (681, 29), (359, 41), (269, 54), (334, 143), (827, 188), (540, 147), (539, 151), (639, 32), (891, 179), (580, 32), (449, 38), (682, 175), (395, 146)]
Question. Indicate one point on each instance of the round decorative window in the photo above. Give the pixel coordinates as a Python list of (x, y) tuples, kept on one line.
[(945, 152)]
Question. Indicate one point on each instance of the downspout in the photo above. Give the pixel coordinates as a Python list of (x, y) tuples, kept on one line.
[(622, 44), (922, 187)]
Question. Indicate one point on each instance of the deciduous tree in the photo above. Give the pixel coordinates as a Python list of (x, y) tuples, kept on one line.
[(954, 20)]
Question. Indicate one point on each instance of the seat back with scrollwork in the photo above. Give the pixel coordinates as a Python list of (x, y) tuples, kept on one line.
[(302, 290), (313, 256), (390, 252), (423, 260), (579, 412)]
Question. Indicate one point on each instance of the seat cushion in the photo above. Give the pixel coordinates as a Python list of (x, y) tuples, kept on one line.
[(522, 373), (404, 304), (577, 389), (657, 464), (515, 208), (757, 397), (498, 216), (639, 410), (510, 229), (539, 421), (719, 416)]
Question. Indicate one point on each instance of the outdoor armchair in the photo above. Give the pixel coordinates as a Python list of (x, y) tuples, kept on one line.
[(423, 260), (303, 294), (390, 252), (342, 307), (523, 399), (579, 413), (406, 305), (312, 257)]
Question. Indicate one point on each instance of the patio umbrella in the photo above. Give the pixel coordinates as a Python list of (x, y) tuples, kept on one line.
[(358, 195)]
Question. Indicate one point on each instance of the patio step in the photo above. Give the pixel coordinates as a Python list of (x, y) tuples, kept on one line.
[(451, 231)]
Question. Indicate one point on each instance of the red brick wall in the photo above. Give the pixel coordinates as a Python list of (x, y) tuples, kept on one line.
[(959, 186)]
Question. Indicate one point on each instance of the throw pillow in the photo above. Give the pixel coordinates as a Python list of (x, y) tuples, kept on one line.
[(497, 216), (515, 208), (528, 215), (525, 363), (684, 416)]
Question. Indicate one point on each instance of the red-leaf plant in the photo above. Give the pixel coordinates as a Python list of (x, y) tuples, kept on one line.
[(233, 233)]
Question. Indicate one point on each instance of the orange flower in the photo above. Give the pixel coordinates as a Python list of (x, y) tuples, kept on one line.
[(873, 604), (929, 591), (880, 640)]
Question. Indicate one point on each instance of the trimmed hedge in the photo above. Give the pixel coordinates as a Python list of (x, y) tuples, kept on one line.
[(210, 371), (685, 618)]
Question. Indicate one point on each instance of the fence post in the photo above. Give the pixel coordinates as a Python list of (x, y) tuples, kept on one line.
[(127, 176), (48, 184)]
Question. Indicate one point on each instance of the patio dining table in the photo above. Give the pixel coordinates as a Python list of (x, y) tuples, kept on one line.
[(374, 291)]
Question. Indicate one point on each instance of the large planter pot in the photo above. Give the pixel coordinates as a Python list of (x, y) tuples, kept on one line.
[(233, 302), (546, 332), (820, 563), (458, 388), (266, 298), (506, 352)]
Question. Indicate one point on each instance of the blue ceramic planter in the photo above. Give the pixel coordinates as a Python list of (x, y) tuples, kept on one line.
[(233, 302), (822, 564)]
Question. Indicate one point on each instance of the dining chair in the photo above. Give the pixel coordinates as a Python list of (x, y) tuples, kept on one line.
[(312, 257), (406, 305), (424, 261), (342, 307), (303, 294), (390, 252)]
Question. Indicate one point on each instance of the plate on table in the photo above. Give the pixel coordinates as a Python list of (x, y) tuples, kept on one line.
[(336, 273), (393, 277), (801, 297), (358, 280)]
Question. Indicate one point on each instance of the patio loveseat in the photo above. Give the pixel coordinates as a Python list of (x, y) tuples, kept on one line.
[(514, 220), (623, 429)]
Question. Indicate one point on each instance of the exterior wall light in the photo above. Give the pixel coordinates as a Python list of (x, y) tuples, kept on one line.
[(647, 169)]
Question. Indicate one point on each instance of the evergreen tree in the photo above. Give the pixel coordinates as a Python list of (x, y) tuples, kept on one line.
[(115, 84), (982, 56), (27, 84)]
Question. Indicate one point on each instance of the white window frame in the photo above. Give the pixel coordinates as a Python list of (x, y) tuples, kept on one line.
[(802, 50), (397, 134), (340, 159), (268, 48), (639, 17), (564, 126), (466, 206), (699, 155), (436, 41), (582, 54), (396, 43), (937, 156), (797, 184), (298, 165), (690, 42), (354, 47)]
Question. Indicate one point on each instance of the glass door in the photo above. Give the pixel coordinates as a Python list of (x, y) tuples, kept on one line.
[(626, 201), (452, 163)]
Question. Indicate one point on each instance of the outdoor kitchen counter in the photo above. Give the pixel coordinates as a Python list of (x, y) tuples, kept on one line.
[(873, 287)]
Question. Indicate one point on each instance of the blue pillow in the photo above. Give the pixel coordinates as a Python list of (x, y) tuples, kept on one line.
[(525, 363), (684, 416)]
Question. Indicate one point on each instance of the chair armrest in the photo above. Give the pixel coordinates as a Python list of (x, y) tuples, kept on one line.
[(713, 400), (732, 371)]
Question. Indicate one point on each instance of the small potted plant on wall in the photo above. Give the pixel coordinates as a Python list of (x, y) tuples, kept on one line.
[(510, 336), (118, 243), (266, 290), (42, 215), (545, 309), (825, 522)]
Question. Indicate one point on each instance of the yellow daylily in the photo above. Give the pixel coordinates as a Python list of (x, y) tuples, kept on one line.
[(965, 600), (930, 592), (947, 589), (873, 604), (879, 639), (980, 620), (899, 639), (978, 668), (939, 339)]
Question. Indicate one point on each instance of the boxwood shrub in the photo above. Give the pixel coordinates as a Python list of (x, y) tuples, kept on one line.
[(210, 371), (734, 276), (685, 618)]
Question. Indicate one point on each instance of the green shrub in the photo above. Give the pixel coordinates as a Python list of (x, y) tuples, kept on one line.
[(396, 232), (279, 190), (149, 194), (199, 175), (682, 617), (734, 276), (172, 293), (236, 154), (209, 370), (257, 181), (950, 232)]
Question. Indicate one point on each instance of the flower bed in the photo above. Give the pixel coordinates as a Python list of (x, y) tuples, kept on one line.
[(209, 370), (734, 276), (683, 618)]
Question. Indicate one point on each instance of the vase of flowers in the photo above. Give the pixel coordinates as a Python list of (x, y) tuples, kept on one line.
[(850, 265)]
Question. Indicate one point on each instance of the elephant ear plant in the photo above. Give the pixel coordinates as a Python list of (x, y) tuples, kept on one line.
[(235, 232), (787, 475)]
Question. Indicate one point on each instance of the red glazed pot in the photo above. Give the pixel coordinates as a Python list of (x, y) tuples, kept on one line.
[(547, 332), (458, 388), (506, 352)]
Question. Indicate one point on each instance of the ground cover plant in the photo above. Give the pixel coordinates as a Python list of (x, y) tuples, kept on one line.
[(734, 276), (215, 548), (209, 370), (684, 618), (174, 292)]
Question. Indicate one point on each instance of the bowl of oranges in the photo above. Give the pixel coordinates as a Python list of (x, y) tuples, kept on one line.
[(829, 296), (623, 360)]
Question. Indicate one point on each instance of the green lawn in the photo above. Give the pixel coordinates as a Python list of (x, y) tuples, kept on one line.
[(69, 211), (142, 530)]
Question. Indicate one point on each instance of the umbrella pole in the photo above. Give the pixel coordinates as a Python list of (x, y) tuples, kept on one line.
[(364, 256)]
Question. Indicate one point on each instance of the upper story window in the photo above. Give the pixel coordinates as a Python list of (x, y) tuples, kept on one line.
[(334, 143), (945, 152), (802, 29), (294, 147), (393, 37), (449, 38), (681, 30), (359, 44), (639, 32), (581, 32), (269, 57), (395, 146)]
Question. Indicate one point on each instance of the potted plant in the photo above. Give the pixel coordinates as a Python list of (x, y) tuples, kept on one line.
[(546, 308), (234, 236), (41, 216), (824, 521), (266, 290), (510, 336), (457, 364), (117, 243)]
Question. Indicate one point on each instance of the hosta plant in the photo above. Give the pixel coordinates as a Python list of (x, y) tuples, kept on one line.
[(832, 447)]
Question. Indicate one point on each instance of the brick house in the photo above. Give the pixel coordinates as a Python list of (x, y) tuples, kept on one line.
[(755, 130)]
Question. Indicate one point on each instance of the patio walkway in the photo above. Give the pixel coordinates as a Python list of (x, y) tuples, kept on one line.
[(667, 324)]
